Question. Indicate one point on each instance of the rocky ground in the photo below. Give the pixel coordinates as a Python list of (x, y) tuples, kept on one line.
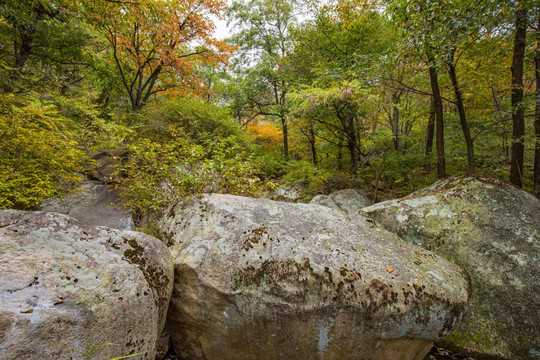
[(438, 353)]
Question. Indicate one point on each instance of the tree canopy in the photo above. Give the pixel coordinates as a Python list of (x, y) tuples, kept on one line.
[(383, 95)]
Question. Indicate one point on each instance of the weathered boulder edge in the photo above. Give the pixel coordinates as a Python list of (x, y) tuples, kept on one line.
[(70, 284), (491, 229)]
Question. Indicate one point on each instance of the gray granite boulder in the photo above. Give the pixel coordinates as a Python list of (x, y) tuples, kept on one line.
[(350, 201), (95, 204), (259, 279), (492, 230), (63, 283)]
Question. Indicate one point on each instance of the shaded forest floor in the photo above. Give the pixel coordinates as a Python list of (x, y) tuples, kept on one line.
[(438, 353)]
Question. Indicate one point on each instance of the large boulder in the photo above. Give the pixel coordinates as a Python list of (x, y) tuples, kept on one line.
[(259, 279), (95, 204), (63, 283), (349, 200), (492, 230)]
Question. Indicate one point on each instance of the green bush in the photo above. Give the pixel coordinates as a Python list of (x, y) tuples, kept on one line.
[(196, 120), (40, 154)]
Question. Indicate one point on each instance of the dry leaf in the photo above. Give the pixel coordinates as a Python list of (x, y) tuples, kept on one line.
[(389, 269), (28, 311)]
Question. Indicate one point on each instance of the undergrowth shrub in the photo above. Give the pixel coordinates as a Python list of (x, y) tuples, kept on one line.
[(40, 152), (156, 174)]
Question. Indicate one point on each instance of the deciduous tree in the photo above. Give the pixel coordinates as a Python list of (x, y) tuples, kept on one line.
[(156, 45)]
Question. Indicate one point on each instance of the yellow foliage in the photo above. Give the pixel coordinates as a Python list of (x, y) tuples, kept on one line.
[(265, 133)]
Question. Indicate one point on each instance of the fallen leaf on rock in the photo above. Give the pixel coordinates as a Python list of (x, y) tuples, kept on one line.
[(389, 269), (58, 302), (28, 311)]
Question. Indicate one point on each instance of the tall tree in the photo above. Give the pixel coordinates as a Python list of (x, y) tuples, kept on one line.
[(48, 33), (518, 118), (156, 45), (422, 21), (439, 120), (451, 66), (265, 42), (335, 54)]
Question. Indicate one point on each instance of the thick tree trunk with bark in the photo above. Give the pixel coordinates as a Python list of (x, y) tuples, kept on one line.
[(536, 173), (23, 46), (430, 130), (348, 123), (439, 120), (518, 119), (462, 116)]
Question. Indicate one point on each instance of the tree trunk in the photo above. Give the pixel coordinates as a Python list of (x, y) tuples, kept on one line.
[(462, 115), (536, 173), (395, 128), (439, 121), (518, 120), (340, 154), (285, 138), (430, 130), (312, 144), (24, 49), (351, 143)]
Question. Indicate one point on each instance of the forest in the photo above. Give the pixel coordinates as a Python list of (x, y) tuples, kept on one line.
[(386, 96)]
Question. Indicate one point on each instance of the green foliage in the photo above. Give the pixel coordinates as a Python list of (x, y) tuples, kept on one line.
[(349, 83), (182, 148), (40, 154), (313, 177), (158, 173), (195, 119)]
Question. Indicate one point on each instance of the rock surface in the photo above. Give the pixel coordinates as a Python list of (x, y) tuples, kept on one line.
[(106, 164), (259, 279), (68, 284), (492, 230), (95, 204), (350, 201), (289, 193)]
